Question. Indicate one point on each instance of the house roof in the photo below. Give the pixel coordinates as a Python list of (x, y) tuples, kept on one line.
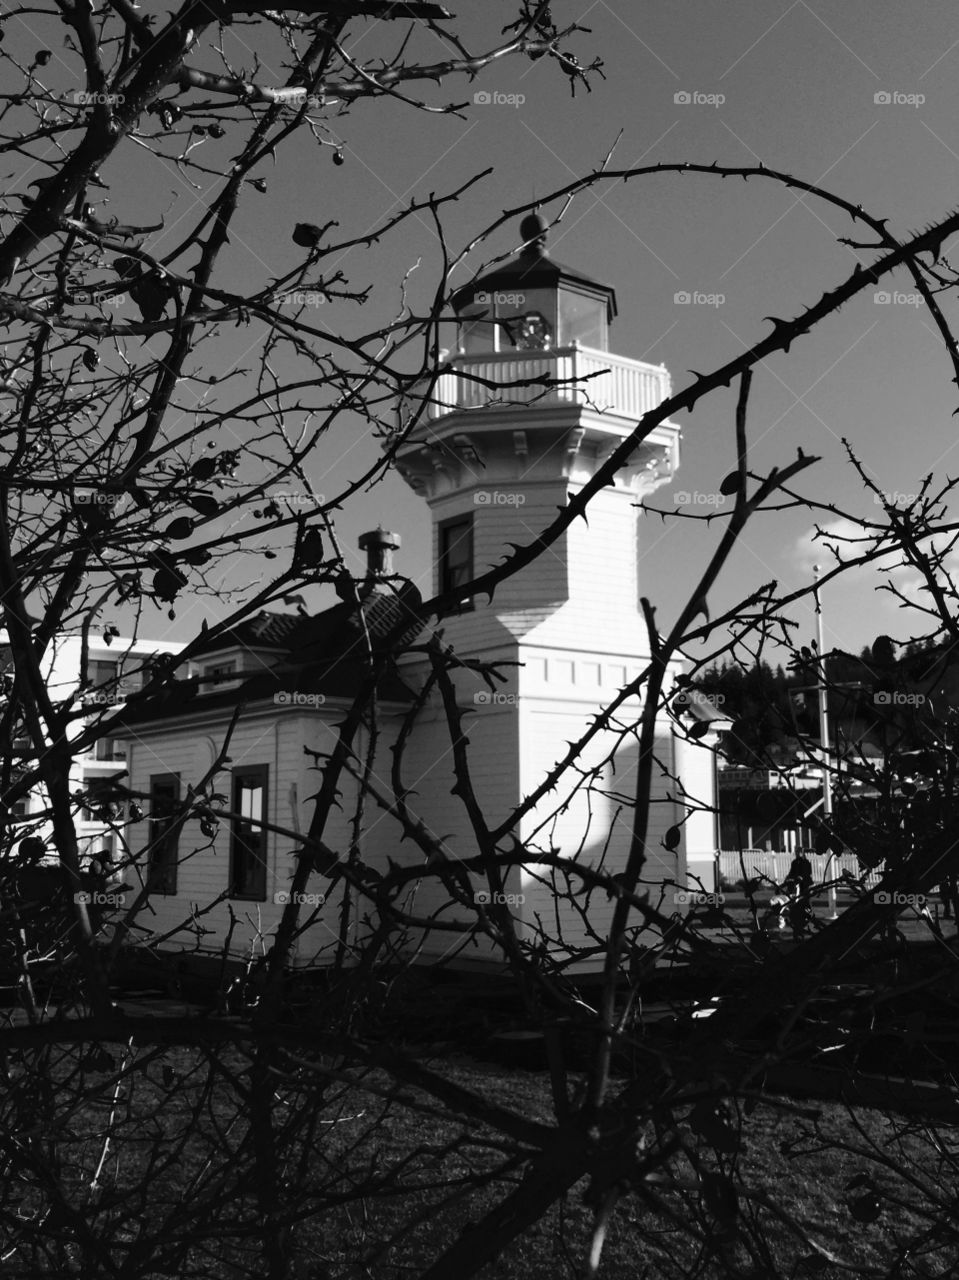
[(705, 711), (267, 630), (533, 268), (325, 655), (529, 271)]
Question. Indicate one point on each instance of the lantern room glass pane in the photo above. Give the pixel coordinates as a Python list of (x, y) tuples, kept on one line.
[(477, 331), (582, 319)]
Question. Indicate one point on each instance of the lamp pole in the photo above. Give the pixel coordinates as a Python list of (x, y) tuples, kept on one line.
[(824, 728)]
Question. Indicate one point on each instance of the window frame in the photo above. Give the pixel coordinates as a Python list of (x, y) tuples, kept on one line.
[(239, 777), (164, 837), (444, 529), (220, 673), (109, 750)]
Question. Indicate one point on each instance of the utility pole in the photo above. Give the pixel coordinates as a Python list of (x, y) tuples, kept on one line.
[(824, 730)]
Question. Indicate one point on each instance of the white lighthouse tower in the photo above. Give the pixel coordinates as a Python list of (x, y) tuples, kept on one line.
[(521, 416)]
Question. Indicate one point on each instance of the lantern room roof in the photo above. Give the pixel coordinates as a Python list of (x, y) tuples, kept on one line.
[(533, 268)]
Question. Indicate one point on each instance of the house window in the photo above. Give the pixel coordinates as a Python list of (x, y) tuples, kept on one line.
[(456, 556), (164, 836), (108, 749), (16, 812), (110, 685), (103, 676), (98, 805), (248, 844), (217, 672)]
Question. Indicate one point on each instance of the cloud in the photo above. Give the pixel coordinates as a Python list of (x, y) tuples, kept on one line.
[(841, 537)]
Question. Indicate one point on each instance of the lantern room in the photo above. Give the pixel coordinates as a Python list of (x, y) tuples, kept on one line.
[(532, 303)]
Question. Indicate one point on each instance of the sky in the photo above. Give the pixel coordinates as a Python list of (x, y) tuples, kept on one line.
[(859, 96)]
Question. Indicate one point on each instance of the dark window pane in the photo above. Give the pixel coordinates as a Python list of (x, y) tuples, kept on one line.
[(219, 671), (103, 672), (456, 556), (248, 843), (164, 837), (100, 805)]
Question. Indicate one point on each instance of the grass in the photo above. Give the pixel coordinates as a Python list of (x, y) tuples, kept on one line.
[(800, 1162), (791, 1167)]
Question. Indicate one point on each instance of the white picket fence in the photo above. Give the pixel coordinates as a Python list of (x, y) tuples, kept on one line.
[(775, 866)]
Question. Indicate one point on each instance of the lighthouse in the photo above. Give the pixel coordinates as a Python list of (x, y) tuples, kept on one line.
[(520, 416)]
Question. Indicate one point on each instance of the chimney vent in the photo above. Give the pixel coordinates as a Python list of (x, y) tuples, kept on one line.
[(379, 545)]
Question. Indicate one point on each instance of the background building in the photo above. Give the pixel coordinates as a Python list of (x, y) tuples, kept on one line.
[(114, 670)]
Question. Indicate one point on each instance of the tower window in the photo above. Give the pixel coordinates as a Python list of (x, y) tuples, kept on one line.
[(248, 847), (456, 556)]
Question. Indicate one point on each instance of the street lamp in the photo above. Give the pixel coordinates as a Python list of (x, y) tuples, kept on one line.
[(824, 729)]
